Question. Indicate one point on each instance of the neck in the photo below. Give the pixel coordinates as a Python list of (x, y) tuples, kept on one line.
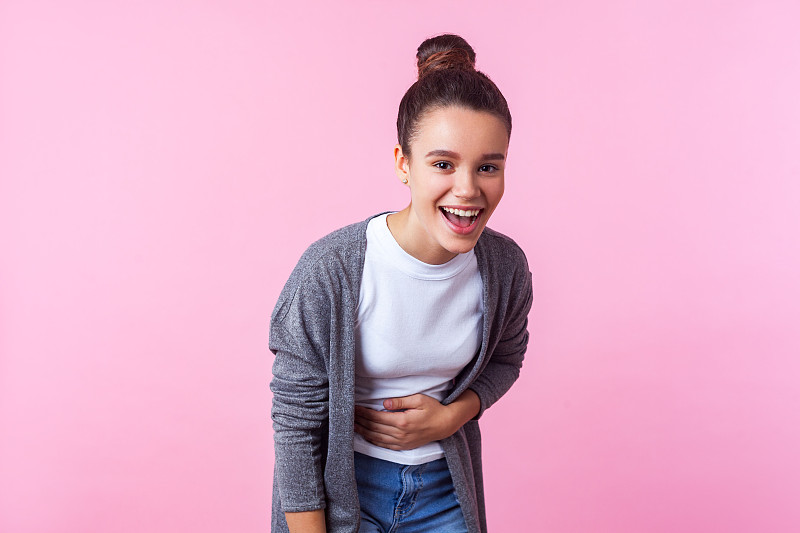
[(413, 239)]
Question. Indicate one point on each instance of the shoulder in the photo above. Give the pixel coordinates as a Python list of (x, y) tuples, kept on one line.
[(501, 250), (340, 241), (347, 242), (505, 271), (327, 265)]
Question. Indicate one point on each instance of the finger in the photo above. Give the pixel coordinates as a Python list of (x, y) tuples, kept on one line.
[(383, 429), (378, 438), (404, 402), (384, 441), (381, 417)]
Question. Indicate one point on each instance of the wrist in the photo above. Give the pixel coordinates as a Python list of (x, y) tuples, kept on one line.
[(462, 410), (306, 521)]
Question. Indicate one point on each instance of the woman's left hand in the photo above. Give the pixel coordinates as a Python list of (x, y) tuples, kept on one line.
[(414, 420)]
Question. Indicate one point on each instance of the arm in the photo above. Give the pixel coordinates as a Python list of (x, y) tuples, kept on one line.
[(502, 368), (299, 404), (427, 420)]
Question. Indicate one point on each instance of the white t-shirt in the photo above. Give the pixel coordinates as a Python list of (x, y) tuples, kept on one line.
[(418, 326)]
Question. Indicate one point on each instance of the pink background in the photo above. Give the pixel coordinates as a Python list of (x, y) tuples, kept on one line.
[(164, 163)]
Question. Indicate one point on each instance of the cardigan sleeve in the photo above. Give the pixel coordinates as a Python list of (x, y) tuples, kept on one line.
[(299, 386), (503, 366)]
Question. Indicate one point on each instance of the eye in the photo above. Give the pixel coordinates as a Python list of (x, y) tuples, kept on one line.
[(488, 168), (444, 165)]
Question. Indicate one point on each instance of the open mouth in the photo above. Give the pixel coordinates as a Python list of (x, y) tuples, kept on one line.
[(461, 218)]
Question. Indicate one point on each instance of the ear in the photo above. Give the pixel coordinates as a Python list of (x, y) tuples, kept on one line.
[(400, 164)]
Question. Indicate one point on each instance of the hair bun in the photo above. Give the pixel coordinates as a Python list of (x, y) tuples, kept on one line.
[(446, 51)]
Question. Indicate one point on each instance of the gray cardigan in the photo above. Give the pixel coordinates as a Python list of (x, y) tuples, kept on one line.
[(312, 336)]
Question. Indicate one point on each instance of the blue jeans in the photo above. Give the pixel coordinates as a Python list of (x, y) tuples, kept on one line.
[(407, 498)]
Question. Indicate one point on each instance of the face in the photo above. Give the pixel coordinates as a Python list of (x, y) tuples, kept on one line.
[(455, 174)]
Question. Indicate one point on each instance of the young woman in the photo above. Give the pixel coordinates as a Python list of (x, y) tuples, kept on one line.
[(394, 334)]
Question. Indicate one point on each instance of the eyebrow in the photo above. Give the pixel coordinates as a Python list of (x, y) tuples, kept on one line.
[(448, 153)]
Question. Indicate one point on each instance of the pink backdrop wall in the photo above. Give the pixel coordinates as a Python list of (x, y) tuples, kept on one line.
[(164, 163)]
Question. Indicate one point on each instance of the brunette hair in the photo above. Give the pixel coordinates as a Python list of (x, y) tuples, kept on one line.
[(447, 77)]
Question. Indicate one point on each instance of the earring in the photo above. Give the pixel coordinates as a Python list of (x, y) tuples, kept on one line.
[(405, 181)]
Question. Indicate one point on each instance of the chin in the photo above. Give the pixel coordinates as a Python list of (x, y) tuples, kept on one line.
[(462, 246)]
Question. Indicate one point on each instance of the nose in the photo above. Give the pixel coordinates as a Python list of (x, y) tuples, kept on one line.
[(465, 185)]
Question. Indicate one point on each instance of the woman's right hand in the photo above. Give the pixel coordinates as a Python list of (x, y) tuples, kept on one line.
[(306, 521), (414, 420)]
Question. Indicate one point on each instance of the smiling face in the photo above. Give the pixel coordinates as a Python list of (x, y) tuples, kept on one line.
[(455, 174)]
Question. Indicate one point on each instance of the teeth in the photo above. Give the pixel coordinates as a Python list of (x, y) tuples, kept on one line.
[(462, 213)]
